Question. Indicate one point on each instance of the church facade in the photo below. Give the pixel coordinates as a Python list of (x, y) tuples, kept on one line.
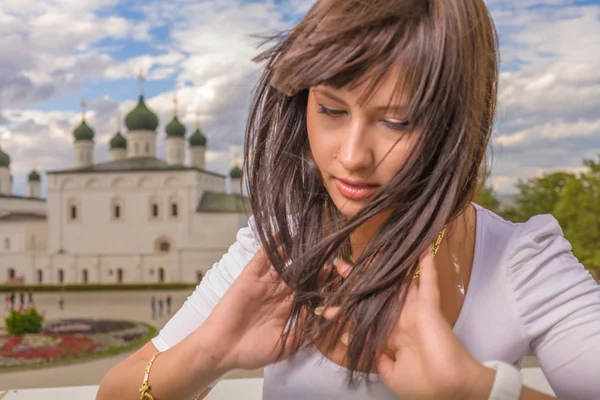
[(133, 219)]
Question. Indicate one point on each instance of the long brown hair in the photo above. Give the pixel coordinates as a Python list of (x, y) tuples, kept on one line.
[(447, 54)]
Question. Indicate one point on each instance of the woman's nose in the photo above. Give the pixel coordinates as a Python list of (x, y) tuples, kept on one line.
[(355, 152)]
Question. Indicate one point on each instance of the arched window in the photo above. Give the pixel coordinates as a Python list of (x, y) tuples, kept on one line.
[(161, 274), (73, 210), (119, 275), (155, 210), (174, 210), (61, 276), (40, 276), (84, 275), (117, 209), (164, 247)]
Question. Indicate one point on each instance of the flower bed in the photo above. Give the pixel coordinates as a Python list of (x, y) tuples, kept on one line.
[(69, 340)]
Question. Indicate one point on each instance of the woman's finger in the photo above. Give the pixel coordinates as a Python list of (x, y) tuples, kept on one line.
[(342, 267), (385, 367), (428, 290)]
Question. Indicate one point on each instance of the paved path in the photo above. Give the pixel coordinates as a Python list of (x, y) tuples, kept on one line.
[(125, 305)]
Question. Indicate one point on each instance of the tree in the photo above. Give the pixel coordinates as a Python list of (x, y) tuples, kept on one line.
[(487, 199), (578, 211), (538, 196)]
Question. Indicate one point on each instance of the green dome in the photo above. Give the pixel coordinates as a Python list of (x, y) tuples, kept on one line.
[(4, 159), (33, 176), (141, 118), (198, 139), (175, 129), (118, 142), (236, 172), (83, 132)]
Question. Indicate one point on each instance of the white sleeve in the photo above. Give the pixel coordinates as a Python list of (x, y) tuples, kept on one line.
[(558, 303), (207, 294)]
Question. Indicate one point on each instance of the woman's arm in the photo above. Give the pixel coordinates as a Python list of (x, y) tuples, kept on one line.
[(170, 378), (180, 338), (558, 304)]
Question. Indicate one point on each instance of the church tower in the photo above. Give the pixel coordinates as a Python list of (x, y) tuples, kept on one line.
[(118, 144), (5, 177), (236, 178), (198, 147), (34, 182), (175, 138), (141, 124), (84, 141)]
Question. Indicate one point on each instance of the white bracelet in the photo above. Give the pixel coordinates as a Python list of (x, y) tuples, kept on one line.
[(508, 382)]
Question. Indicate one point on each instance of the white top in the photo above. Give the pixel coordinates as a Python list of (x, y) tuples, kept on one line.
[(528, 295)]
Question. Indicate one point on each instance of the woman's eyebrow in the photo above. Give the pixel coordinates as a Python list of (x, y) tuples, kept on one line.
[(396, 108), (327, 93)]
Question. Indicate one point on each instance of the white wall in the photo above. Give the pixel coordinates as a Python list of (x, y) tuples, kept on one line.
[(22, 205)]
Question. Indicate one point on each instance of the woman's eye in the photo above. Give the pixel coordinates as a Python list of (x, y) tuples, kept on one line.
[(330, 111), (397, 125)]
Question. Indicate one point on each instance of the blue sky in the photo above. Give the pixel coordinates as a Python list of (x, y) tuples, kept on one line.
[(55, 53)]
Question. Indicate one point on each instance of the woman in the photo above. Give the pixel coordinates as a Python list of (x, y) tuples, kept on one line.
[(363, 148)]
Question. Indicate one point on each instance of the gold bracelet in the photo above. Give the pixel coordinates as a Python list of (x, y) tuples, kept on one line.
[(145, 393)]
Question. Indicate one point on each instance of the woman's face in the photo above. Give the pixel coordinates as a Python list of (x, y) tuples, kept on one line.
[(357, 148)]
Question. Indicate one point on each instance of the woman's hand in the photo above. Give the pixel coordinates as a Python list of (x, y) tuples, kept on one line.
[(245, 328), (423, 358)]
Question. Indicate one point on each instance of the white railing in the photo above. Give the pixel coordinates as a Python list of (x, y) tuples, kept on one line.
[(247, 389)]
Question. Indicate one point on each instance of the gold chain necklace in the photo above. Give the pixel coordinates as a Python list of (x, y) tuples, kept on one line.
[(434, 249)]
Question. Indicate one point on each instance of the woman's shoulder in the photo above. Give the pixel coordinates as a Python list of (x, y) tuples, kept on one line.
[(535, 233)]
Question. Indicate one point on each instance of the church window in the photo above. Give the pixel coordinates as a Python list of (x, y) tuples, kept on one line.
[(73, 212), (40, 276), (117, 211), (174, 210), (61, 276), (84, 275), (11, 273), (119, 275), (154, 210)]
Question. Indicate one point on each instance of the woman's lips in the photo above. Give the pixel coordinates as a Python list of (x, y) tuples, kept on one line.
[(355, 191)]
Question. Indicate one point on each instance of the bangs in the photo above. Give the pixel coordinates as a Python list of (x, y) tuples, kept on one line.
[(330, 48)]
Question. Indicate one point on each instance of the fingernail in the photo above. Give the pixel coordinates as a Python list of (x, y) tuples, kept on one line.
[(345, 338), (319, 310), (336, 261)]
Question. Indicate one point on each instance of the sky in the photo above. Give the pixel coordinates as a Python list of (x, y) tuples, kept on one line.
[(54, 53)]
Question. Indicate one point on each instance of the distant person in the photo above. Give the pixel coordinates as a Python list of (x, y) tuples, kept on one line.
[(30, 298), (153, 306), (160, 307), (61, 302), (168, 301), (12, 300), (22, 298)]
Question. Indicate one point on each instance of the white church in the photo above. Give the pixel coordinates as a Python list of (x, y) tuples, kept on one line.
[(133, 219)]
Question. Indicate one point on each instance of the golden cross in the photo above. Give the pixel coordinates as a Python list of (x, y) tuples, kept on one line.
[(175, 104), (141, 78), (83, 105)]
